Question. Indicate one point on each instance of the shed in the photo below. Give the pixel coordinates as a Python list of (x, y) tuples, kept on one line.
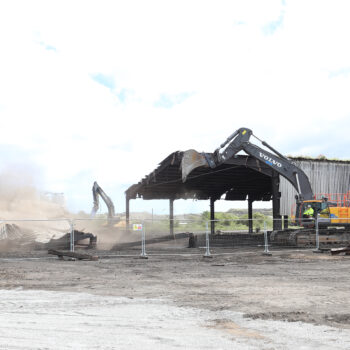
[(241, 177)]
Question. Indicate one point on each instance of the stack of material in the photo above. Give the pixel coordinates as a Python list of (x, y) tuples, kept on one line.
[(73, 255), (13, 237), (16, 238), (82, 239), (337, 251)]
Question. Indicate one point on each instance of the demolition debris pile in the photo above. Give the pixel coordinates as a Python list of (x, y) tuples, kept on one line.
[(21, 200)]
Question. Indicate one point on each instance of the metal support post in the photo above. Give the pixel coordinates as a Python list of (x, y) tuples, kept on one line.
[(127, 212), (212, 215), (143, 243), (276, 195), (250, 215), (317, 233), (171, 216), (207, 251), (266, 249), (3, 234), (71, 235)]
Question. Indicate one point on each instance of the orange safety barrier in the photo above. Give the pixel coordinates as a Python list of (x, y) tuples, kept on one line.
[(340, 199)]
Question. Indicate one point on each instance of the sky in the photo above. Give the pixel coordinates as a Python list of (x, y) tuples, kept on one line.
[(105, 90)]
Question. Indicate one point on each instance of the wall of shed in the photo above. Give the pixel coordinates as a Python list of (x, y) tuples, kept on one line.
[(325, 177)]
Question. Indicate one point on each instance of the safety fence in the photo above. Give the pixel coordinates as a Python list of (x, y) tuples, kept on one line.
[(218, 235), (145, 237)]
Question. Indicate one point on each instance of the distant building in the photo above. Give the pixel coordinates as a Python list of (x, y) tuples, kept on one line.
[(326, 176), (57, 198)]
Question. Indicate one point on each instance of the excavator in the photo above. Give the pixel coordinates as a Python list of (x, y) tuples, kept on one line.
[(96, 192), (331, 213)]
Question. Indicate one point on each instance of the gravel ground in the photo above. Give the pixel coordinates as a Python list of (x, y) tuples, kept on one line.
[(65, 320), (242, 300)]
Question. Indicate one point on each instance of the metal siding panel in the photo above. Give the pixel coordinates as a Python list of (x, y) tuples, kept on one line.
[(325, 177)]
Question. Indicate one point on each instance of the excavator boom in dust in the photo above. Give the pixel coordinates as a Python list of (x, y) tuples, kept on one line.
[(96, 192)]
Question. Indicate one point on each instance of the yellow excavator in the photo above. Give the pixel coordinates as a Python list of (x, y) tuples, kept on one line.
[(331, 213)]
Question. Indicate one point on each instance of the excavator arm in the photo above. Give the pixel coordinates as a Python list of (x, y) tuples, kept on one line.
[(96, 192), (238, 141)]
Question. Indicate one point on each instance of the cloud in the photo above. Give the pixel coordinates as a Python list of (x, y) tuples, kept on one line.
[(105, 80), (271, 27), (106, 91), (342, 72), (169, 101)]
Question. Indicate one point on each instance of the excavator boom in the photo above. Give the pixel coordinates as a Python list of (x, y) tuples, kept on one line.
[(239, 141), (96, 192)]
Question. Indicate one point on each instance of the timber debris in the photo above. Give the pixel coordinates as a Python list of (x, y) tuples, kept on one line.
[(74, 255), (338, 251)]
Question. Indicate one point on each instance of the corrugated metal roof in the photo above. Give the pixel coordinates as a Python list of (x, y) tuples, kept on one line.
[(240, 177)]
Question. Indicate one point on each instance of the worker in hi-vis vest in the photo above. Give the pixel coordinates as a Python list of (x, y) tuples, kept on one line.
[(309, 212)]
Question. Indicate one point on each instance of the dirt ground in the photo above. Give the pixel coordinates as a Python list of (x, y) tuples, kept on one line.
[(290, 285)]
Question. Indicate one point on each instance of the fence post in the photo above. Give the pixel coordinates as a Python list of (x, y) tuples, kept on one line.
[(3, 230), (72, 235), (143, 243), (317, 250), (266, 243), (207, 251)]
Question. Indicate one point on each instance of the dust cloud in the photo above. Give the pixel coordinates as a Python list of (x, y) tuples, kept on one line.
[(21, 199), (28, 214)]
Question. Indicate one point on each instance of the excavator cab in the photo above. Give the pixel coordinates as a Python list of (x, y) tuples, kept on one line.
[(303, 217), (323, 209)]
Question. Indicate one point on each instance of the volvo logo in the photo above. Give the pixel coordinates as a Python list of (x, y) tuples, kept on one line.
[(269, 160)]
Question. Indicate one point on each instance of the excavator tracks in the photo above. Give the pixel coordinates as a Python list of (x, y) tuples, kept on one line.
[(304, 238)]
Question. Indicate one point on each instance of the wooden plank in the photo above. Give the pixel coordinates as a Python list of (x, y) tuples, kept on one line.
[(75, 255), (160, 239), (345, 250)]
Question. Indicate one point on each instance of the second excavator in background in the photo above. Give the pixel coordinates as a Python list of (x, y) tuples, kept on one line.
[(97, 192)]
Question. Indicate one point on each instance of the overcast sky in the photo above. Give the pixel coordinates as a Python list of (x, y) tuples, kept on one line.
[(105, 90)]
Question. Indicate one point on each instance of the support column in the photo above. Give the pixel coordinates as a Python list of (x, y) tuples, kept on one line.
[(276, 195), (285, 222), (212, 215), (171, 215), (250, 215), (127, 212)]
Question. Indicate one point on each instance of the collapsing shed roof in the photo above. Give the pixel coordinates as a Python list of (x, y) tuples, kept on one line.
[(240, 177)]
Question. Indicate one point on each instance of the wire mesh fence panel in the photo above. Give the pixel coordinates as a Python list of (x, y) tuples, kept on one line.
[(149, 236), (313, 233), (169, 236), (333, 231), (286, 233), (230, 233), (33, 236), (243, 225), (262, 232), (112, 235)]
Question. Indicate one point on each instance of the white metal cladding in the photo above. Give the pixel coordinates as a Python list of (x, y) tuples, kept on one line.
[(325, 177)]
